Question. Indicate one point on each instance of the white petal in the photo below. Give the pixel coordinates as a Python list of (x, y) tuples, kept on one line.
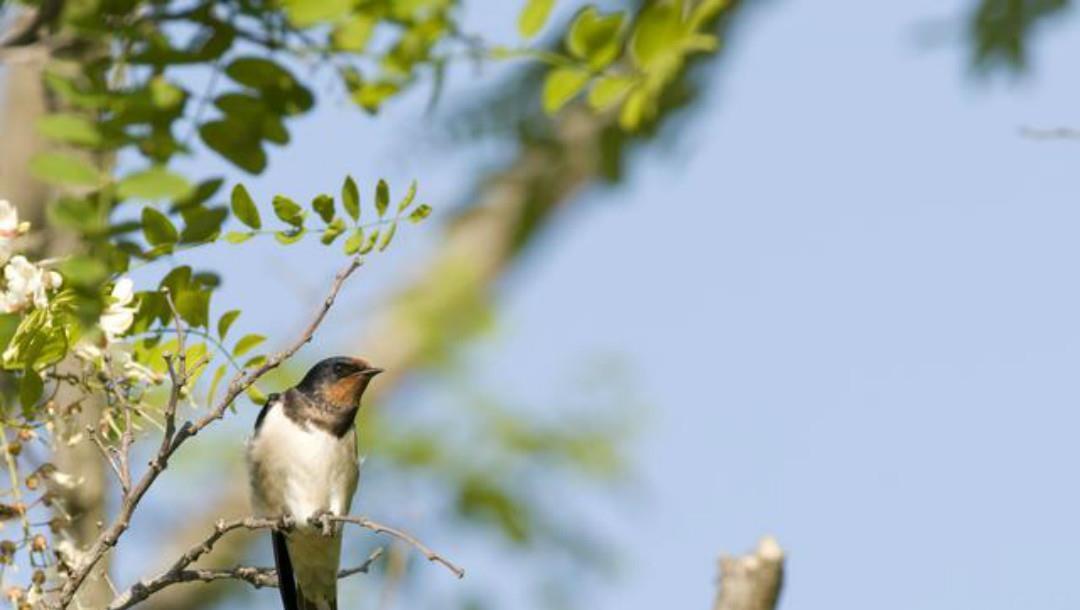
[(123, 291)]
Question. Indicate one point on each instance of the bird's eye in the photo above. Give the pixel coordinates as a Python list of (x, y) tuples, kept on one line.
[(341, 370)]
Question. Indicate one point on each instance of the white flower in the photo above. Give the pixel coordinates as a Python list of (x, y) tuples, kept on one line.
[(88, 352), (118, 317), (138, 372), (27, 283), (10, 228)]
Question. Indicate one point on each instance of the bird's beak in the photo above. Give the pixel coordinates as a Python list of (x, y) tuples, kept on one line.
[(372, 371)]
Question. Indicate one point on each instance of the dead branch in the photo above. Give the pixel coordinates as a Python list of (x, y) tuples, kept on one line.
[(751, 582)]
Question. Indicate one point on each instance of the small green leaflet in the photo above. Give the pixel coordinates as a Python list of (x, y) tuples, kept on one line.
[(157, 228), (350, 198), (534, 16), (382, 197), (244, 208)]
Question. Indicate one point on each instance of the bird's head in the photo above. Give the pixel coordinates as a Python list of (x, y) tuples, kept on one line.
[(338, 382)]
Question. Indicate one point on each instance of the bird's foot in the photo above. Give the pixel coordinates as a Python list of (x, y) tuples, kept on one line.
[(321, 519)]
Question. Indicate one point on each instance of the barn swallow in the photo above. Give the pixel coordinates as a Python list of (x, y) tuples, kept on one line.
[(302, 463)]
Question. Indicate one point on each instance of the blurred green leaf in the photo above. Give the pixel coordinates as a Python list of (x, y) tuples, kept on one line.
[(407, 200), (153, 184), (561, 85), (225, 322), (70, 129), (353, 243), (306, 13), (324, 207), (595, 37), (31, 387), (157, 228), (350, 198), (534, 16), (353, 33), (244, 208), (237, 237), (421, 212), (382, 197), (288, 210), (63, 169), (247, 343), (388, 236), (609, 91)]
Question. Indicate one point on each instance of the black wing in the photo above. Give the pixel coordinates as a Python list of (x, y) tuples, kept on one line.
[(271, 399), (286, 582)]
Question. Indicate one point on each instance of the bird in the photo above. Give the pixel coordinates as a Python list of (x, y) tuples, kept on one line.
[(303, 464)]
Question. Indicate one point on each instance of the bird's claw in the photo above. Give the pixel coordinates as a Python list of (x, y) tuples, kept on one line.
[(321, 519)]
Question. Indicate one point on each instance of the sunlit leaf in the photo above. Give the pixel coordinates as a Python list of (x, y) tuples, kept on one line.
[(244, 208), (561, 85), (353, 33), (59, 168), (70, 129), (407, 200), (225, 322), (382, 197), (595, 37), (353, 243), (421, 212), (288, 210), (324, 207), (247, 343), (153, 184), (237, 237), (608, 91), (350, 198), (388, 236), (534, 16)]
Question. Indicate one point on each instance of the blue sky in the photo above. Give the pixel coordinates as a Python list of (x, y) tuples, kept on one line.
[(848, 292)]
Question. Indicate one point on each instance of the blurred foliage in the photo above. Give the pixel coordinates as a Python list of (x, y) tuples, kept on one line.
[(120, 83), (1001, 31)]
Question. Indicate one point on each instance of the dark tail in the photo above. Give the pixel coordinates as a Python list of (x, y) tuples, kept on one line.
[(286, 583), (307, 604)]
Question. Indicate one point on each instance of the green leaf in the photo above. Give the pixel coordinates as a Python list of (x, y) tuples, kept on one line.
[(370, 95), (290, 237), (534, 16), (153, 184), (306, 13), (352, 245), (324, 207), (350, 198), (237, 237), (382, 197), (256, 395), (388, 236), (202, 224), (561, 85), (609, 90), (215, 381), (157, 228), (244, 208), (633, 111), (657, 34), (225, 322), (30, 389), (278, 88), (370, 242), (335, 228), (70, 129), (247, 343), (237, 142), (194, 306), (421, 212), (59, 168), (407, 200), (353, 33), (595, 37), (288, 210)]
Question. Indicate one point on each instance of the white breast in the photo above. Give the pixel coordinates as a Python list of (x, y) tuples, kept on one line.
[(300, 470)]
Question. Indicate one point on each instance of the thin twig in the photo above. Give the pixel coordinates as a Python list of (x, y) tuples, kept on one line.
[(379, 528), (180, 572)]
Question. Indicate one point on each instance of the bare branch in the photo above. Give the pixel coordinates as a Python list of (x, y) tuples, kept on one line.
[(172, 438), (751, 582), (378, 528), (180, 572)]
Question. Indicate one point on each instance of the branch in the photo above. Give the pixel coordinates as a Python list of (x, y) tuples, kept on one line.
[(751, 582), (172, 439), (180, 572), (324, 520)]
